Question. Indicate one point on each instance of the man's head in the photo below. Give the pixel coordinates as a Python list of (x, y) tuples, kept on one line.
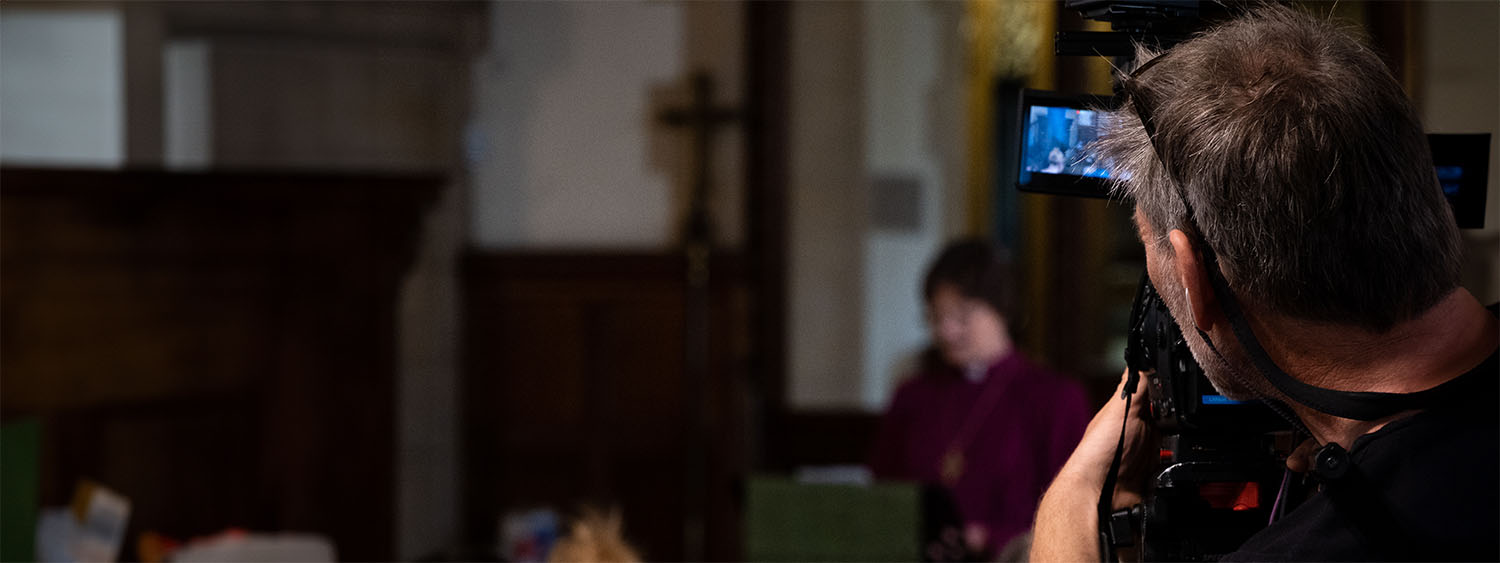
[(967, 295), (1306, 168)]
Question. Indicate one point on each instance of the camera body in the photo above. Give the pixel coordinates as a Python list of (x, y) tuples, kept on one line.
[(1221, 467)]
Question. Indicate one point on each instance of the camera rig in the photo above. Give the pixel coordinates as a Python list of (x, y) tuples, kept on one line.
[(1160, 23)]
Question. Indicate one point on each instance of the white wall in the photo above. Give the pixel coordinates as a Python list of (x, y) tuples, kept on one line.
[(62, 85), (1460, 73), (873, 105), (826, 218), (902, 62), (558, 140)]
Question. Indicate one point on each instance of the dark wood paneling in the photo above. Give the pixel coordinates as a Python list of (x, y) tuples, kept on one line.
[(575, 392), (219, 347)]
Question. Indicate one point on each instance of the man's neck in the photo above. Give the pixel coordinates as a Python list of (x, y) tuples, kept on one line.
[(1444, 342)]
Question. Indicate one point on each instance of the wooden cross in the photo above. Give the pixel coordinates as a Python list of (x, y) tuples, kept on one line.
[(703, 118)]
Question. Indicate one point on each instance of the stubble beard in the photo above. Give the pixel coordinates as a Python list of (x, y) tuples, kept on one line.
[(1231, 381)]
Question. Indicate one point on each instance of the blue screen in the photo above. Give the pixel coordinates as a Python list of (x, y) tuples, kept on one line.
[(1055, 141), (1451, 178), (1220, 400)]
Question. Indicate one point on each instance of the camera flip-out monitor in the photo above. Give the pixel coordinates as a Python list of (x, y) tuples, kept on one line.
[(1056, 131)]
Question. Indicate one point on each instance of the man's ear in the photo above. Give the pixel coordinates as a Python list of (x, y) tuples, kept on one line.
[(1194, 278)]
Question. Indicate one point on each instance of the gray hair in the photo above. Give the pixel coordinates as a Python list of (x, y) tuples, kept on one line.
[(1305, 165)]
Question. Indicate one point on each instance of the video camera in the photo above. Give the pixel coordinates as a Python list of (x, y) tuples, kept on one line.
[(1221, 476)]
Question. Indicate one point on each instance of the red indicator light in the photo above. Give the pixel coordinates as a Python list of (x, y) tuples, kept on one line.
[(1233, 496), (1249, 497)]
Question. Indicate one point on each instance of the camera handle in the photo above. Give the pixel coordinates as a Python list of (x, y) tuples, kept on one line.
[(1110, 534), (1124, 524)]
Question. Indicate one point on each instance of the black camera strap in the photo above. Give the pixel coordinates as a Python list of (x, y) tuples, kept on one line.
[(1108, 535), (1356, 405)]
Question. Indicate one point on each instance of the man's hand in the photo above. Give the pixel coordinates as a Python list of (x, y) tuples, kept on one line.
[(1067, 527), (1090, 461)]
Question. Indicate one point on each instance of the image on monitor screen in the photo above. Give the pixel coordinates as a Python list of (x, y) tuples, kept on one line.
[(1055, 141)]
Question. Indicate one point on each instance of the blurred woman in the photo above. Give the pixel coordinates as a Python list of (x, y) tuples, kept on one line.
[(978, 418)]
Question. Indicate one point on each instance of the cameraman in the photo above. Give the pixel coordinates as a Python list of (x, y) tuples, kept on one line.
[(1283, 185)]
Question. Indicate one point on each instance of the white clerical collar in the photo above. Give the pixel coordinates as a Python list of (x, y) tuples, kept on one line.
[(975, 373)]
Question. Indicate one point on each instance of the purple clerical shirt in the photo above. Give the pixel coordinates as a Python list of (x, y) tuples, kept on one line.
[(1035, 420)]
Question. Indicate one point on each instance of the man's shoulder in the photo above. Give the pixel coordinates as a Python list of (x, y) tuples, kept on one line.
[(1436, 476), (1312, 532)]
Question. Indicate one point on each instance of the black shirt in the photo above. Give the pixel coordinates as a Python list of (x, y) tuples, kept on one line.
[(1426, 487)]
